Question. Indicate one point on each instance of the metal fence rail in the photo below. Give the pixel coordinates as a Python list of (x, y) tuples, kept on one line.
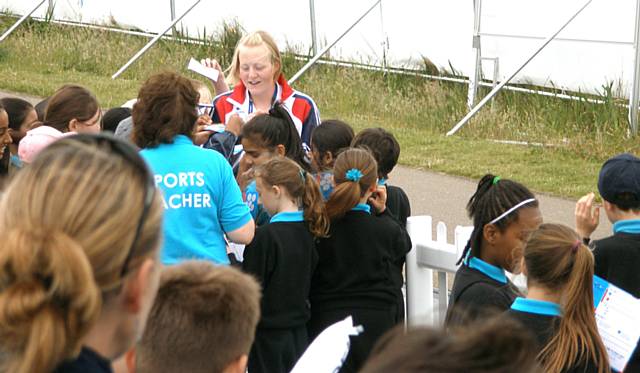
[(475, 78)]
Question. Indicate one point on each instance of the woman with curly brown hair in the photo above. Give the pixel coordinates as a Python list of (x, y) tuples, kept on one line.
[(202, 200)]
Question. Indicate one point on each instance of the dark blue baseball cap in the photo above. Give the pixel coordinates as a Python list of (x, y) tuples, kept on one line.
[(620, 175)]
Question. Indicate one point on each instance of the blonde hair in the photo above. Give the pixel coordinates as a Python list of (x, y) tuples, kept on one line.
[(347, 193), (203, 91), (66, 223), (300, 185), (557, 260), (255, 39)]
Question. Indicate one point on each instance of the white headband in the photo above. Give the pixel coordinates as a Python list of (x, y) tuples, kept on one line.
[(514, 208)]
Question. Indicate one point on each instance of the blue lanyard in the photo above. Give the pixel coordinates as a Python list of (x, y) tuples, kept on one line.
[(273, 99)]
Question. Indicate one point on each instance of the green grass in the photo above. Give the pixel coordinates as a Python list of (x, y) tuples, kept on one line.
[(40, 57)]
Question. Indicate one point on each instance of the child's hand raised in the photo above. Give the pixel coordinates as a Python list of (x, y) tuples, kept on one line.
[(235, 122), (245, 174), (201, 135), (587, 216), (379, 199), (234, 125)]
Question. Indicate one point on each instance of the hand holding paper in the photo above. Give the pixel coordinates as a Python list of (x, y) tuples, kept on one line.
[(616, 316), (199, 68)]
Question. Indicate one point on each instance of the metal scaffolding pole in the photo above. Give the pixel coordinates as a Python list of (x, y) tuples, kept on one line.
[(385, 41), (329, 46), (153, 41), (476, 72), (19, 22), (172, 5), (495, 90), (314, 36), (635, 91)]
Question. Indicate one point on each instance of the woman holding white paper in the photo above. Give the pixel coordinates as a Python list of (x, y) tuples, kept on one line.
[(256, 72)]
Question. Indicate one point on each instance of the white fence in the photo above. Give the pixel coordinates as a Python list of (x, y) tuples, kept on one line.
[(428, 255)]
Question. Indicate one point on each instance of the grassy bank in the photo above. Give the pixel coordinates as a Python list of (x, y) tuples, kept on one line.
[(40, 57)]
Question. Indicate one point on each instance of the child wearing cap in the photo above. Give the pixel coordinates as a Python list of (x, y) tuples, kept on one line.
[(617, 257)]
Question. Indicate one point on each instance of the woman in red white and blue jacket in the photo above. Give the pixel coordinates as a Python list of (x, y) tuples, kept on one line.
[(256, 71)]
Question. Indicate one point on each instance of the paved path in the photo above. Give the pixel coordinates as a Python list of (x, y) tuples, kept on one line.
[(444, 197), (32, 99)]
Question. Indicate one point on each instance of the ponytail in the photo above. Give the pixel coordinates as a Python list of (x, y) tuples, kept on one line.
[(301, 186), (475, 240), (48, 301), (557, 260), (276, 128), (349, 189), (344, 197), (313, 206), (66, 224)]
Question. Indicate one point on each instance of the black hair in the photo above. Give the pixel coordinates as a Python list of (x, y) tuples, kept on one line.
[(17, 109), (276, 128), (626, 201), (383, 146), (113, 117), (332, 136), (492, 198)]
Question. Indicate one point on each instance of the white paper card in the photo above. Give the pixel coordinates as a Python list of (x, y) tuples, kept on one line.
[(329, 350), (208, 72), (617, 318), (237, 250)]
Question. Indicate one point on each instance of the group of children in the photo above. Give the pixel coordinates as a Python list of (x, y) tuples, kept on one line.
[(558, 308), (320, 261), (325, 239)]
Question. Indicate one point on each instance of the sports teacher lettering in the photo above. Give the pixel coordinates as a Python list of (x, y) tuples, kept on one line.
[(186, 198)]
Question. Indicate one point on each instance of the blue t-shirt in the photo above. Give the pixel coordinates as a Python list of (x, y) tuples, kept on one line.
[(201, 199)]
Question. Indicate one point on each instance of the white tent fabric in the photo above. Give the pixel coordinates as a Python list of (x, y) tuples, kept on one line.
[(595, 50)]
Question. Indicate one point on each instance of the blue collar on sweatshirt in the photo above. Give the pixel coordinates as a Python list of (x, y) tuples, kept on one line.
[(362, 207), (287, 217), (627, 226), (539, 307), (490, 270)]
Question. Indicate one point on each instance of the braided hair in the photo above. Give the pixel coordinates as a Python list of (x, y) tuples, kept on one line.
[(493, 197)]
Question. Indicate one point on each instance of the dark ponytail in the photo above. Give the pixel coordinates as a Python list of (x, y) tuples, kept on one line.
[(276, 128), (492, 198)]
